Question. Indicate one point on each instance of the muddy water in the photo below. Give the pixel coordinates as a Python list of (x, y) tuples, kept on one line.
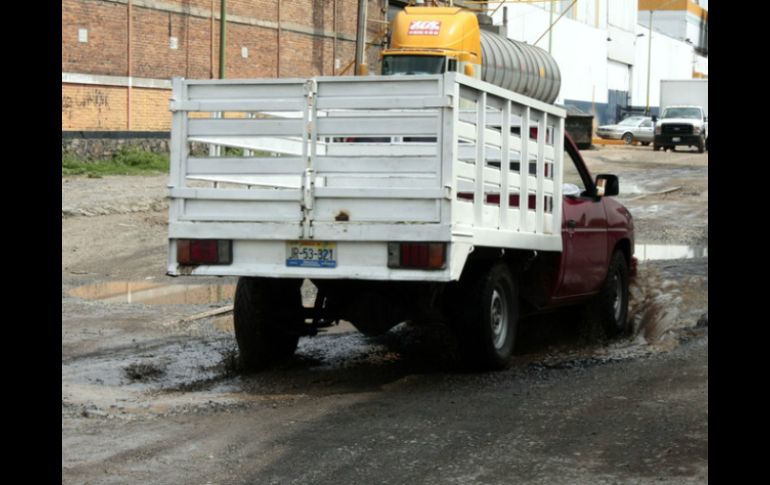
[(648, 252), (153, 293)]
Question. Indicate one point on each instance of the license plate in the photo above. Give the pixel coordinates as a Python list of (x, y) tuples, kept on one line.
[(676, 138), (311, 254)]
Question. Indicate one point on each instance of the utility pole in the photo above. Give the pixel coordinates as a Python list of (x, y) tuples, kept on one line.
[(361, 38), (649, 63), (222, 37)]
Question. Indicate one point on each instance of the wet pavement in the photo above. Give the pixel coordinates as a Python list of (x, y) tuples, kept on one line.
[(394, 409), (151, 392), (203, 358)]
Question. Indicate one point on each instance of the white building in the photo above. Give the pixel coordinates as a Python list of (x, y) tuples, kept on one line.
[(602, 48)]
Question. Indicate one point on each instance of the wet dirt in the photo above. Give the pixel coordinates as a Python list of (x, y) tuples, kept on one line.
[(151, 392), (667, 192), (153, 293)]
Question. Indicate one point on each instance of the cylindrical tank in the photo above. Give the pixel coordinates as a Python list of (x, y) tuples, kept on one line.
[(519, 67)]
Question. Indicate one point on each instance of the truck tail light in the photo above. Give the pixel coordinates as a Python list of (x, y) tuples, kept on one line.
[(204, 251), (417, 255), (658, 129)]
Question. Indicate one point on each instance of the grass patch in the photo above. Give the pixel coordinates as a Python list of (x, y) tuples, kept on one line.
[(127, 161)]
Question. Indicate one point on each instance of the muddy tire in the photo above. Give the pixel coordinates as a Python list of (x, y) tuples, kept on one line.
[(487, 318), (264, 312), (628, 138), (610, 307)]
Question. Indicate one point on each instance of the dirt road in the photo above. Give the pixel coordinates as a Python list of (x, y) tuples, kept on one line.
[(150, 393)]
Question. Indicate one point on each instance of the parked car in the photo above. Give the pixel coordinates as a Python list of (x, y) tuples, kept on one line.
[(634, 128)]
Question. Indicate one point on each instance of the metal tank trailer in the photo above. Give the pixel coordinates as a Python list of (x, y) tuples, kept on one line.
[(433, 40)]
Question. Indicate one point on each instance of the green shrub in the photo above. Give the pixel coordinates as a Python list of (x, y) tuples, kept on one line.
[(127, 161)]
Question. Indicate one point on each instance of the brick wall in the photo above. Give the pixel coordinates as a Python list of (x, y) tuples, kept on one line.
[(87, 107), (306, 48), (149, 109), (105, 51), (103, 108)]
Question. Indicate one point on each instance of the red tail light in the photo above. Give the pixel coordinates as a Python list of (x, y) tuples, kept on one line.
[(417, 255), (204, 251)]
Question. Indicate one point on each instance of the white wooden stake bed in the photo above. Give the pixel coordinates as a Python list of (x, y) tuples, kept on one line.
[(358, 162)]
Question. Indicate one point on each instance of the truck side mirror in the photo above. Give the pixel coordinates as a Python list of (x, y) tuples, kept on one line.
[(654, 118), (607, 185), (705, 118)]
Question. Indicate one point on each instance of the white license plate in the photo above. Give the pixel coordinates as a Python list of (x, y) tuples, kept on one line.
[(676, 138), (311, 254)]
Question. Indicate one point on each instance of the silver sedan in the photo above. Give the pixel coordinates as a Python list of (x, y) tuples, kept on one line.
[(635, 128)]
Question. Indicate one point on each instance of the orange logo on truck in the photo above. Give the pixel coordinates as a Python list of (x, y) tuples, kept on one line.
[(424, 27)]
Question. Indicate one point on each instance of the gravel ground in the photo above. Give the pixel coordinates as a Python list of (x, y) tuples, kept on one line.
[(115, 194), (150, 395)]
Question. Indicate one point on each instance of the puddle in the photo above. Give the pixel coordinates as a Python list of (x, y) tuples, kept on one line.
[(646, 252), (151, 293)]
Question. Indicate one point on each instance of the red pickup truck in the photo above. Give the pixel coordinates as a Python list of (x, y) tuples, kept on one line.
[(593, 269), (399, 197), (495, 289)]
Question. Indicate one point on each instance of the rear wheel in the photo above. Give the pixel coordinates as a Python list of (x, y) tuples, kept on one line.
[(628, 138), (266, 313), (487, 318)]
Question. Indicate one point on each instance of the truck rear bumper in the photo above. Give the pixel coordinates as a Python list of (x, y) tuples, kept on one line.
[(353, 260)]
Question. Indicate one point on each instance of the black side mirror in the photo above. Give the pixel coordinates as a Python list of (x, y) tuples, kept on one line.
[(654, 118), (705, 118), (607, 185)]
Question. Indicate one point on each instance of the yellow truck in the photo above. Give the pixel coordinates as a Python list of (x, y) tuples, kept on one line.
[(435, 40)]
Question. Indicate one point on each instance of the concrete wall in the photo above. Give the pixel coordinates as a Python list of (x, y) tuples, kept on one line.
[(595, 69), (680, 25), (597, 13), (623, 14), (671, 59), (583, 63), (102, 145), (618, 76)]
